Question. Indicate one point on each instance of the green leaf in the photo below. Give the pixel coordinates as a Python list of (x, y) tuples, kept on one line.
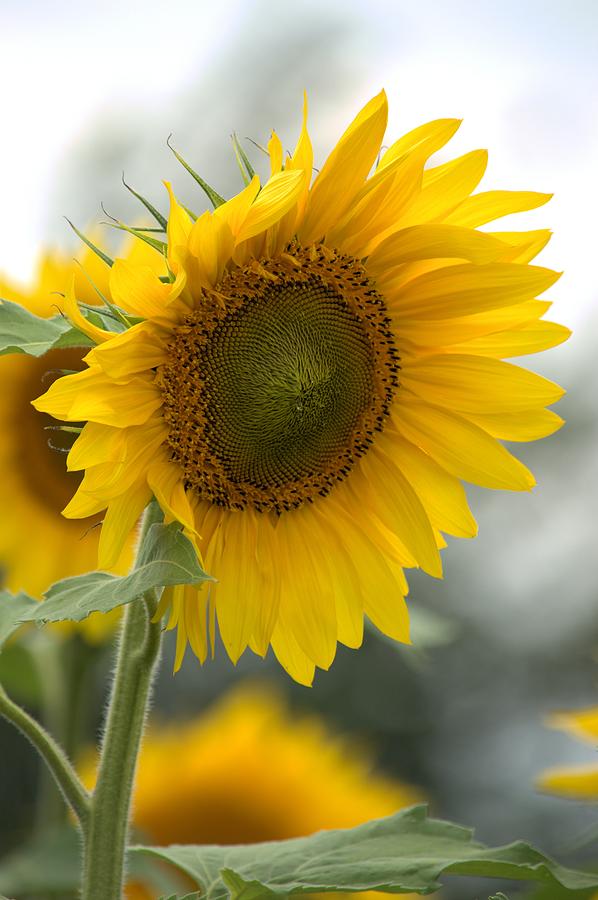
[(547, 892), (12, 609), (403, 853), (196, 895), (166, 557), (19, 675), (212, 195), (72, 338), (23, 332), (51, 863)]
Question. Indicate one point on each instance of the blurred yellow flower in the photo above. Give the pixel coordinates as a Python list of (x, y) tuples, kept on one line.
[(249, 771), (577, 782), (307, 393), (38, 546)]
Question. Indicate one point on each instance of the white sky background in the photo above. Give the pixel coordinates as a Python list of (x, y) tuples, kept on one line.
[(523, 75)]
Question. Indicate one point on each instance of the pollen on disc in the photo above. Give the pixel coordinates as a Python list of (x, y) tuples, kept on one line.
[(273, 393)]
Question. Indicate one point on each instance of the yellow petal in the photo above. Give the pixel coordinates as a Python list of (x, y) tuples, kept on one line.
[(519, 341), (211, 244), (234, 211), (269, 597), (477, 384), (275, 151), (401, 510), (121, 517), (137, 289), (465, 289), (377, 208), (460, 447), (303, 158), (425, 139), (489, 205), (580, 723), (345, 170), (83, 505), (444, 187), (579, 782), (336, 562), (518, 426), (434, 242), (177, 231), (383, 584), (232, 558), (274, 200), (96, 444), (307, 605), (442, 494), (110, 480), (195, 609), (445, 333), (291, 657), (522, 246), (167, 481), (138, 349), (92, 395), (71, 308)]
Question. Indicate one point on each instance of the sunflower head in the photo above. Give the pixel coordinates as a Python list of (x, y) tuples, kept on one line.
[(311, 382), (38, 546), (248, 770)]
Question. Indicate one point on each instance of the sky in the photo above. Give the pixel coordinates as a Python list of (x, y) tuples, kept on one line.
[(523, 76)]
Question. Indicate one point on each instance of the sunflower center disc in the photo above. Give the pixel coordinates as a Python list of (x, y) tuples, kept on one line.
[(277, 383)]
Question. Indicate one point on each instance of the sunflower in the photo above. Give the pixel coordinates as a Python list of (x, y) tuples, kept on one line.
[(35, 485), (309, 389), (249, 771), (577, 782)]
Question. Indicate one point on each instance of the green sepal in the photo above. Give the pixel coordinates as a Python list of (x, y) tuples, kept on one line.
[(160, 246), (12, 608), (166, 557), (404, 853), (212, 195), (22, 331), (103, 256), (189, 212), (246, 169), (115, 311), (149, 206), (107, 317)]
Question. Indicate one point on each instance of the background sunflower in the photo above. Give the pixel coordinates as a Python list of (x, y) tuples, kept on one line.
[(247, 770), (38, 546)]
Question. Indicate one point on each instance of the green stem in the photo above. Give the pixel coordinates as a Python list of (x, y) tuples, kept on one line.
[(106, 838), (53, 755)]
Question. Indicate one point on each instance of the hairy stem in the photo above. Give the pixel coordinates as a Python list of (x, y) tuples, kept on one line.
[(52, 754), (106, 838)]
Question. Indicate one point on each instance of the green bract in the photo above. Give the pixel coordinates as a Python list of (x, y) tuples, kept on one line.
[(166, 557)]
